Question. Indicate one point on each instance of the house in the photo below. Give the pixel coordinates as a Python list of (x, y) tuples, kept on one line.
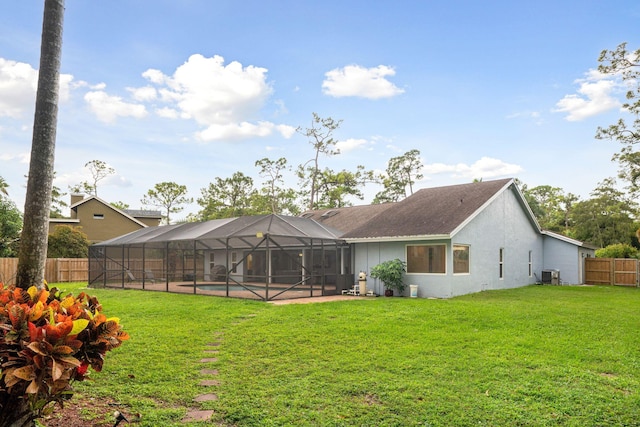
[(455, 240), (458, 239), (101, 221)]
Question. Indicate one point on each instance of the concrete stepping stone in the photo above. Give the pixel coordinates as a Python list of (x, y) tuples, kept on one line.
[(213, 344), (209, 383), (209, 359), (193, 416), (209, 372), (205, 397), (212, 351)]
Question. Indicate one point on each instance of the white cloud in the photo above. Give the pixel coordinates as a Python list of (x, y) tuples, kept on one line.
[(351, 144), (224, 99), (354, 80), (21, 157), (212, 93), (282, 108), (534, 116), (243, 130), (394, 148), (593, 99), (67, 179), (155, 76), (286, 131), (167, 113), (18, 85), (82, 84), (595, 96), (525, 114), (108, 108), (486, 167), (117, 180), (144, 94)]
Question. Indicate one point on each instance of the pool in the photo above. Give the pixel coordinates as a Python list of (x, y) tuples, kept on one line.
[(220, 287)]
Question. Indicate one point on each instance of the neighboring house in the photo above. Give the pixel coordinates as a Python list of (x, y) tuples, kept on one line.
[(101, 221), (458, 239)]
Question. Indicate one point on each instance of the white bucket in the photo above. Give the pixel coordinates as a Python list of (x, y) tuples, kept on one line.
[(414, 291)]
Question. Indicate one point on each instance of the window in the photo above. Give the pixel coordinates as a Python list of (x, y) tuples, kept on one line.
[(501, 266), (460, 259), (98, 216), (234, 262), (530, 263), (426, 259)]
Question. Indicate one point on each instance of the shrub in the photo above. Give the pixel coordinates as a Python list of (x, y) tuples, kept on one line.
[(68, 242), (619, 250), (390, 273), (10, 226), (47, 341)]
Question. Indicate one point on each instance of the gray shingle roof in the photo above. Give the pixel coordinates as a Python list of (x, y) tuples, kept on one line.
[(140, 213), (428, 212), (347, 218)]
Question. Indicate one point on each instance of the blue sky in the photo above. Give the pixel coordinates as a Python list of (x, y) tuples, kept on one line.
[(190, 90)]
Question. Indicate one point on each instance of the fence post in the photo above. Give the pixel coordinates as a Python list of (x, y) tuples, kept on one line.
[(612, 274)]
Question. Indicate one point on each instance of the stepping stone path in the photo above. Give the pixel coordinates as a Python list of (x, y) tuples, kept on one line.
[(204, 415), (212, 348)]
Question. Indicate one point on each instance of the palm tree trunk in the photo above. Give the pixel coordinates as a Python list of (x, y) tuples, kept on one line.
[(33, 245)]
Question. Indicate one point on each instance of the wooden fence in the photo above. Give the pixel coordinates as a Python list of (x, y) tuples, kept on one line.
[(611, 271), (57, 270)]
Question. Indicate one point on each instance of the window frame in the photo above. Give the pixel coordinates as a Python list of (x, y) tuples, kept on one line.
[(234, 262), (439, 245), (468, 251)]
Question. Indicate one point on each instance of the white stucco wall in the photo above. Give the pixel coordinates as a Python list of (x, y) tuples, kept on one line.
[(368, 255), (502, 224), (565, 257)]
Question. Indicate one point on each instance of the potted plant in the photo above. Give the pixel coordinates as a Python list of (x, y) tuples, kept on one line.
[(390, 274)]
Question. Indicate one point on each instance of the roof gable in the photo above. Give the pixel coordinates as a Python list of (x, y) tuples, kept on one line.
[(120, 212), (438, 211)]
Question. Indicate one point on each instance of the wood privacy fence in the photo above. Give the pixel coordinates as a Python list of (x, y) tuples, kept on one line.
[(611, 271), (57, 270)]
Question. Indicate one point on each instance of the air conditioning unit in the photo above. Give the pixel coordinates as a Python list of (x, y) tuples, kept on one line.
[(551, 277)]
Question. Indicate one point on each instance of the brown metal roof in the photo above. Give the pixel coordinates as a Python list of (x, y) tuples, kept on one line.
[(428, 212)]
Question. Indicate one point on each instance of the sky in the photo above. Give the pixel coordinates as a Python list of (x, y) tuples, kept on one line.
[(187, 91)]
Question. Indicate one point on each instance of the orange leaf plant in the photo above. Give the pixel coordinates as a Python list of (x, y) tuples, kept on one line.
[(47, 341)]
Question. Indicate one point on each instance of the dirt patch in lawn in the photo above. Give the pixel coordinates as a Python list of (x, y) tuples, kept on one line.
[(82, 411)]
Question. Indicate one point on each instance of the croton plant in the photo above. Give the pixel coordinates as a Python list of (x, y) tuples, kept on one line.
[(47, 341)]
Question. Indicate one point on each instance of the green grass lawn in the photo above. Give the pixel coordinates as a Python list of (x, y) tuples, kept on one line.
[(534, 356)]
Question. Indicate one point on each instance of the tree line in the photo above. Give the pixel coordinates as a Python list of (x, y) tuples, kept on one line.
[(319, 186)]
